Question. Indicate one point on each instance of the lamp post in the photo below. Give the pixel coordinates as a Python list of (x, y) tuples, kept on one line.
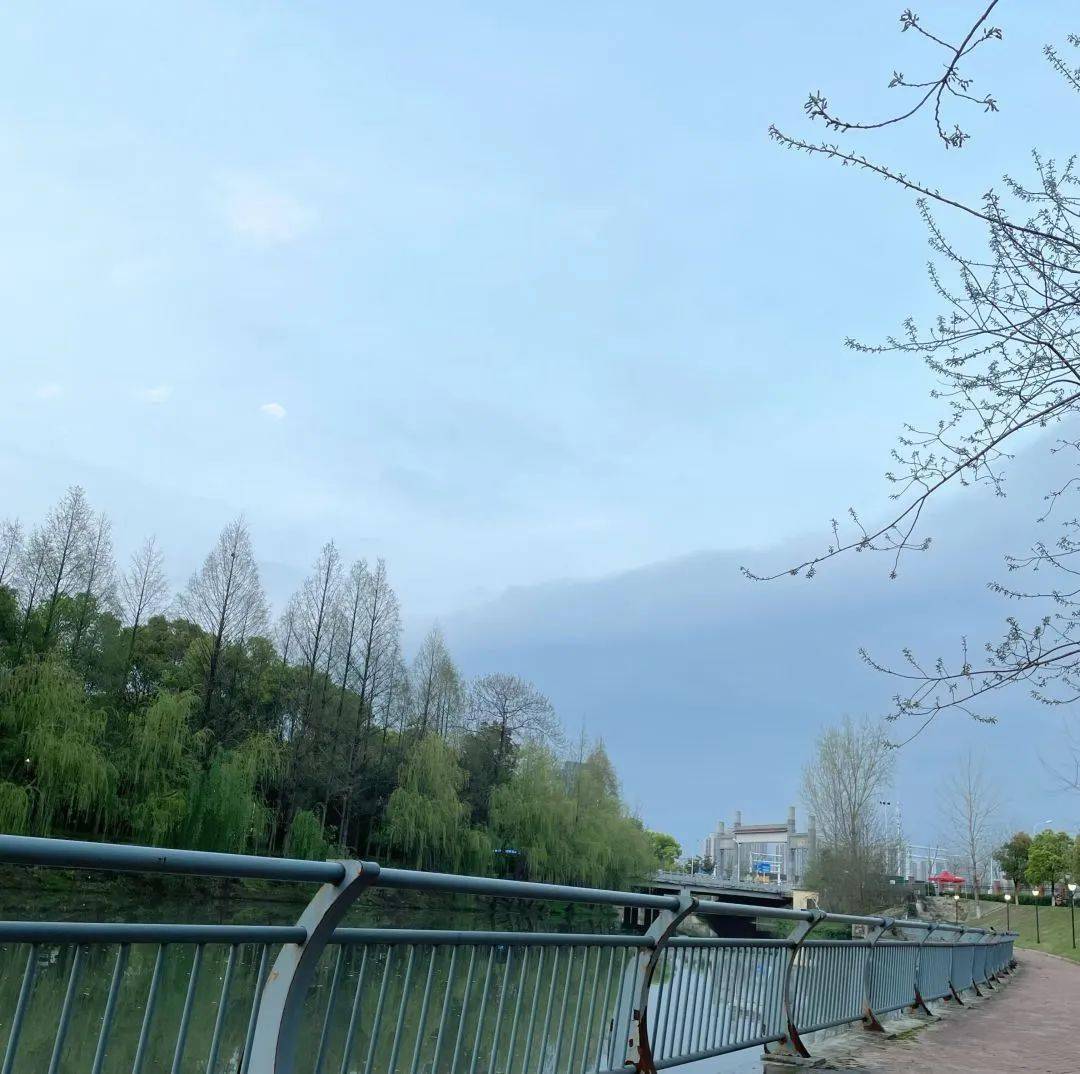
[(1008, 899), (1038, 935), (956, 907), (1072, 911)]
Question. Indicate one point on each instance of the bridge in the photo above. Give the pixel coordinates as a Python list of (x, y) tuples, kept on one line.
[(708, 887), (317, 997)]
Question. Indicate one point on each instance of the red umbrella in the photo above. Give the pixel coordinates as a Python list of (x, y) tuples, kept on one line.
[(945, 877)]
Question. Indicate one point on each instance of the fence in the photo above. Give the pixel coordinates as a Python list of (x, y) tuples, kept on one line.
[(319, 998)]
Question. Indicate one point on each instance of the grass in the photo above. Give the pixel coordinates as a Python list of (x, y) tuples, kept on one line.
[(1054, 926)]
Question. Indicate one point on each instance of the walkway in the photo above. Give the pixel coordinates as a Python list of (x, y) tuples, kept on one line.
[(1031, 1026)]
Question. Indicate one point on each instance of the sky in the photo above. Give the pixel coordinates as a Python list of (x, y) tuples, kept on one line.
[(522, 299)]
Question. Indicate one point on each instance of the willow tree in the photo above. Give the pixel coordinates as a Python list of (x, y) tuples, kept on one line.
[(426, 821), (55, 740)]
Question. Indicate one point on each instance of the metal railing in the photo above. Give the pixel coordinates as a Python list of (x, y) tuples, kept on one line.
[(257, 999)]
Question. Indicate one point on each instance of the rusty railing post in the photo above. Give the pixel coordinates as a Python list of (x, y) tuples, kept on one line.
[(792, 1044)]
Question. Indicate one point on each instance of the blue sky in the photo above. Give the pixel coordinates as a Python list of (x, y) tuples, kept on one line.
[(506, 294)]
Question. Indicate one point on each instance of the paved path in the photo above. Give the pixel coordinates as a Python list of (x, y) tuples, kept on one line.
[(1031, 1025)]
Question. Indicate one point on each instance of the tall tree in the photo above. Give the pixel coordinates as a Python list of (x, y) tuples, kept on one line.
[(225, 599), (98, 583), (32, 575), (1013, 858), (1050, 859), (843, 782), (67, 531), (436, 687), (11, 539), (971, 805), (142, 592), (515, 707)]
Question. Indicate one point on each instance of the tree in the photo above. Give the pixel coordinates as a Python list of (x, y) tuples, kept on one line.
[(514, 707), (426, 819), (142, 591), (666, 849), (1013, 858), (436, 687), (851, 768), (98, 579), (1050, 859), (225, 599), (66, 534), (11, 539), (971, 804), (1004, 360)]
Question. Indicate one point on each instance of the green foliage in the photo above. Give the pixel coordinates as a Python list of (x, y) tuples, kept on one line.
[(426, 820), (1050, 857), (1013, 857), (48, 723), (305, 838), (665, 848), (120, 723)]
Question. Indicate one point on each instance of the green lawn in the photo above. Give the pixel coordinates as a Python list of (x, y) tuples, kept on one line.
[(1053, 926)]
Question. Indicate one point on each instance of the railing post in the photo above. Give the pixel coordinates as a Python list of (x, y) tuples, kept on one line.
[(919, 1003), (274, 1045), (952, 969), (640, 1053), (870, 1020), (792, 1044)]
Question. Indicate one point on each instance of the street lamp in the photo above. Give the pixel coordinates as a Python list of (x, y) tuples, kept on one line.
[(956, 905), (1008, 899), (1038, 935), (1072, 911)]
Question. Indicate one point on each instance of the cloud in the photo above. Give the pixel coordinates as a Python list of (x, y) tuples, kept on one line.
[(255, 210), (273, 410), (52, 390), (160, 394)]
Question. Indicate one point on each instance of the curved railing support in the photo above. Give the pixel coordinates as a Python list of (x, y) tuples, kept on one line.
[(919, 1004), (870, 1020), (274, 1044), (792, 1044), (639, 1054)]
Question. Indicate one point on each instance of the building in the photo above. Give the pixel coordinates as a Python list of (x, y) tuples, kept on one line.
[(772, 853), (923, 862)]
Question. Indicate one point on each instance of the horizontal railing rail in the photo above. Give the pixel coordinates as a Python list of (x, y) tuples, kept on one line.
[(262, 998)]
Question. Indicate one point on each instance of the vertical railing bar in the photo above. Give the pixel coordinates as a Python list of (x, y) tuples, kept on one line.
[(663, 1001), (483, 1011), (256, 999), (110, 1008), (223, 1004), (421, 1018), (695, 981), (671, 981), (718, 992), (635, 979), (331, 999), (545, 1032), (466, 995), (740, 996), (594, 995), (148, 1013), (562, 1008), (354, 1014), (400, 1025), (507, 968), (532, 1011), (616, 1014), (685, 982), (576, 1020), (65, 1010), (518, 1000), (445, 1009), (29, 973), (376, 1022), (605, 1007), (185, 1015), (714, 997), (708, 1005)]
